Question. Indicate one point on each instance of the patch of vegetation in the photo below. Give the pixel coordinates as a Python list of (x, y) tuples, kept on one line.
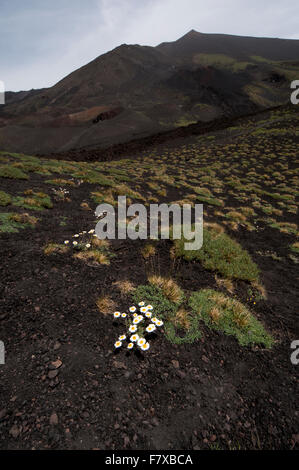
[(61, 182), (34, 200), (169, 287), (295, 247), (12, 222), (153, 295), (178, 328), (148, 251), (230, 316), (222, 254), (8, 171), (55, 248), (5, 199)]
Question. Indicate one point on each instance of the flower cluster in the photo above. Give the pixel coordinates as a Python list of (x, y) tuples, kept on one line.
[(84, 241), (138, 325), (61, 194)]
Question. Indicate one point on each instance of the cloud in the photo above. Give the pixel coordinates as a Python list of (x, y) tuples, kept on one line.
[(41, 42)]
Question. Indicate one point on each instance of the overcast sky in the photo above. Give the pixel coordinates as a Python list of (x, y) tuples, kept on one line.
[(41, 41)]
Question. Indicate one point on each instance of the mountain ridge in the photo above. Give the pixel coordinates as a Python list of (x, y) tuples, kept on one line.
[(136, 90)]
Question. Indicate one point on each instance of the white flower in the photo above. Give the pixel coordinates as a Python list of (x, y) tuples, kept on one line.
[(141, 342), (77, 235), (122, 337), (134, 338), (148, 314), (75, 243), (123, 315), (91, 231), (137, 320), (117, 344), (133, 328), (87, 245), (154, 319), (143, 309), (135, 315), (149, 307), (159, 323), (132, 309), (145, 347), (150, 328), (84, 231), (66, 242), (130, 345), (116, 314), (141, 304)]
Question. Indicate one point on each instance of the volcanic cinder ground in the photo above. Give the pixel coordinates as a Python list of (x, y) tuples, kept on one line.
[(218, 374)]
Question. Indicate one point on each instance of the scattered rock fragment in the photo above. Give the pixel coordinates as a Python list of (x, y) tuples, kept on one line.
[(54, 419)]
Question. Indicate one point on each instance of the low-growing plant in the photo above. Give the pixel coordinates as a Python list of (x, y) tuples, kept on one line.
[(88, 247), (230, 316), (5, 199), (8, 171), (139, 326), (12, 222), (55, 248), (222, 254), (105, 304), (148, 251), (34, 200), (154, 295), (169, 287), (295, 247), (125, 287)]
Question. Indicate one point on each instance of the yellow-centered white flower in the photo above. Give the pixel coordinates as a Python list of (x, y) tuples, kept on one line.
[(133, 328), (150, 328), (134, 338)]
